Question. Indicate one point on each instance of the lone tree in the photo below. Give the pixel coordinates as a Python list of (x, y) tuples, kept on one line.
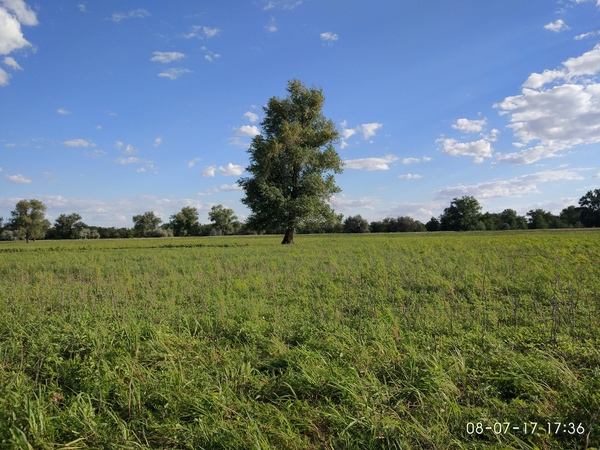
[(463, 214), (28, 219), (185, 222), (291, 163), (145, 224), (66, 225), (223, 219)]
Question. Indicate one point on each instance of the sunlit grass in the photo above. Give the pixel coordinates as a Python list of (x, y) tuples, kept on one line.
[(382, 341)]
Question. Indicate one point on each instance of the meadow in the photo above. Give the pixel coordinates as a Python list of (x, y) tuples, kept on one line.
[(387, 341)]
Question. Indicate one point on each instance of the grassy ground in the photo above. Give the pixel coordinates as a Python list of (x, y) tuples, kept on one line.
[(412, 341)]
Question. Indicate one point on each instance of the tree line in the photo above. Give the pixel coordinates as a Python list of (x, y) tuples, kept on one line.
[(28, 222)]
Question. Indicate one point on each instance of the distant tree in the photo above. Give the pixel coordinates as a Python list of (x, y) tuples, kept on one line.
[(491, 221), (590, 208), (571, 217), (329, 224), (145, 224), (223, 220), (88, 233), (510, 220), (433, 225), (66, 225), (463, 214), (539, 219), (291, 163), (185, 222), (28, 219), (356, 224)]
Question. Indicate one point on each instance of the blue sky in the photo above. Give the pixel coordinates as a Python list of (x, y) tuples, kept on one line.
[(113, 108)]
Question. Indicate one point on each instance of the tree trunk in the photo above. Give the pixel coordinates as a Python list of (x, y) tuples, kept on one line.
[(289, 236)]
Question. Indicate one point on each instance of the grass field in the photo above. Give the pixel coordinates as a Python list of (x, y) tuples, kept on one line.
[(403, 341)]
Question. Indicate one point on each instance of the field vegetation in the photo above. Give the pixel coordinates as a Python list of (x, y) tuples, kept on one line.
[(382, 341)]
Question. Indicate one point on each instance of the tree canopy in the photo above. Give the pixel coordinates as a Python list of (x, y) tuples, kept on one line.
[(145, 224), (28, 219), (223, 219), (291, 163)]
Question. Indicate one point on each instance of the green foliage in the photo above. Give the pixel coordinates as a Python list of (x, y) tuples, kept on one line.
[(224, 221), (28, 219), (356, 224), (590, 208), (463, 214), (185, 222), (291, 163), (392, 341), (146, 225)]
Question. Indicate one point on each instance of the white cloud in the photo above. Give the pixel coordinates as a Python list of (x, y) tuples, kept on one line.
[(344, 203), (18, 179), (131, 160), (370, 163), (193, 162), (130, 150), (248, 130), (158, 141), (410, 160), (514, 188), (98, 127), (21, 11), (201, 32), (13, 13), (81, 7), (1, 169), (133, 14), (229, 170), (410, 176), (209, 171), (470, 126), (4, 77), (282, 4), (63, 111), (78, 143), (369, 129), (12, 63), (252, 117), (329, 37), (348, 133), (173, 74), (556, 117), (477, 149), (222, 188), (586, 35), (557, 26), (167, 57), (271, 28)]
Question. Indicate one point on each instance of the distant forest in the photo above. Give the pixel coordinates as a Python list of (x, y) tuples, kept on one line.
[(28, 222)]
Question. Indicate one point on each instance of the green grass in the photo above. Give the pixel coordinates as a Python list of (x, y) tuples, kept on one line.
[(338, 342)]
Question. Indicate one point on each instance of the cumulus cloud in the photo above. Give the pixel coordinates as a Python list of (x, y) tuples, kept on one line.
[(13, 14), (370, 163), (329, 37), (282, 4), (228, 170), (174, 73), (477, 149), (63, 111), (12, 63), (191, 163), (410, 176), (252, 117), (4, 77), (556, 110), (133, 14), (202, 32), (514, 188), (410, 160), (18, 179), (78, 143), (369, 129), (248, 130), (557, 26), (222, 188), (470, 126), (166, 57), (158, 141), (344, 203)]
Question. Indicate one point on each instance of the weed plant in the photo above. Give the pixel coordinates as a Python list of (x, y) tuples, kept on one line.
[(394, 341)]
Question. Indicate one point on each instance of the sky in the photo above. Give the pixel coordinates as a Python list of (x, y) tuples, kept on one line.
[(112, 108)]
